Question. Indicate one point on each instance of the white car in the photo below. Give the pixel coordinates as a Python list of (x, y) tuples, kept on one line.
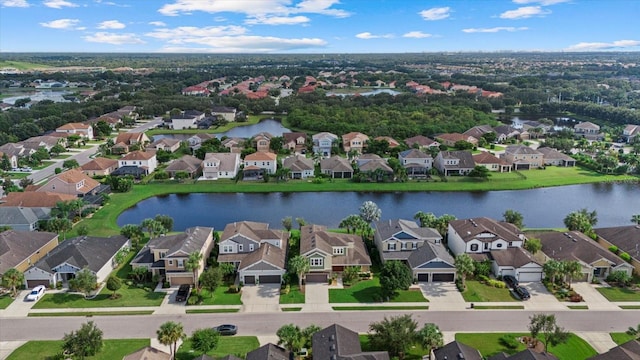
[(36, 293)]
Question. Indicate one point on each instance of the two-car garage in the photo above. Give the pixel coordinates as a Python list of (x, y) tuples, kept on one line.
[(436, 277), (262, 279)]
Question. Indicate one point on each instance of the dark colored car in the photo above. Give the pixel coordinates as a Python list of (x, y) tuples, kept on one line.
[(183, 293), (226, 329), (522, 293), (511, 281)]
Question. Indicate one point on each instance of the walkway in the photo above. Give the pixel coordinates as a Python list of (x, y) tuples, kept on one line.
[(19, 307)]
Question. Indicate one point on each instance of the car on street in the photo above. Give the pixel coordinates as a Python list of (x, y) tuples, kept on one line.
[(226, 329), (183, 292), (511, 281), (36, 293), (522, 293)]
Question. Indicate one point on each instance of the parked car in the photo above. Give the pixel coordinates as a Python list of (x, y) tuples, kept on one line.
[(183, 292), (511, 281), (522, 293), (226, 329), (36, 293)]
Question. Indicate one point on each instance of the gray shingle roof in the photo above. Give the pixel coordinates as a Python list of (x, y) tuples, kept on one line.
[(339, 343), (626, 238), (513, 256), (452, 350), (191, 240), (575, 245), (14, 215), (529, 354), (385, 229), (469, 228), (315, 237), (298, 163), (429, 252), (627, 351), (414, 154), (17, 246), (335, 164), (266, 252), (521, 149), (269, 352), (186, 163)]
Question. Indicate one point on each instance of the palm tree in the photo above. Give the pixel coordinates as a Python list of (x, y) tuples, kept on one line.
[(169, 334), (552, 268), (464, 266), (13, 278), (193, 264), (430, 337), (635, 218), (299, 265), (571, 269), (426, 219)]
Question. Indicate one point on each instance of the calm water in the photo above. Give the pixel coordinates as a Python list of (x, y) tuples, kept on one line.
[(547, 207), (273, 127), (368, 93)]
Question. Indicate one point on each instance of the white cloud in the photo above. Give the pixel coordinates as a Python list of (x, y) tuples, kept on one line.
[(14, 3), (495, 29), (590, 46), (157, 23), (277, 20), (188, 33), (524, 12), (245, 44), (253, 8), (111, 3), (541, 2), (114, 39), (368, 35), (58, 4), (321, 7), (435, 13), (61, 24), (111, 24), (219, 19), (416, 35)]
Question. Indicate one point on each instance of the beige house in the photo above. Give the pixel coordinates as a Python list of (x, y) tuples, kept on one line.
[(84, 130), (266, 161), (72, 182), (354, 141), (451, 139), (625, 238), (295, 141), (491, 162), (13, 160), (27, 199), (167, 255), (99, 167), (21, 249), (166, 144), (262, 141), (522, 157)]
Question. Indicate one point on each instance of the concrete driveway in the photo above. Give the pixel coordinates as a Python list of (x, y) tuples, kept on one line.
[(592, 297), (541, 298), (316, 297), (20, 306), (443, 296), (261, 298)]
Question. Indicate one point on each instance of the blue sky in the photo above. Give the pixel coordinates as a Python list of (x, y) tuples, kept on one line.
[(318, 26)]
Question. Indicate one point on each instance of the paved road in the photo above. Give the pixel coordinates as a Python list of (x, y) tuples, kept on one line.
[(148, 125), (143, 326)]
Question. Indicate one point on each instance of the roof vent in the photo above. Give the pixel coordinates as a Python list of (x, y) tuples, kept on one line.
[(460, 356), (332, 347), (332, 337)]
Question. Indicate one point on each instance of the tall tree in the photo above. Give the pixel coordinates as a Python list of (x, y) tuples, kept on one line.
[(287, 223), (425, 219), (169, 334), (545, 325), (464, 267), (86, 341), (533, 245), (85, 281), (571, 270), (430, 337), (395, 275), (132, 232), (395, 334), (552, 269), (369, 211), (205, 340), (582, 220), (114, 284), (12, 279), (290, 337), (193, 264), (513, 217), (299, 265), (211, 279), (166, 221)]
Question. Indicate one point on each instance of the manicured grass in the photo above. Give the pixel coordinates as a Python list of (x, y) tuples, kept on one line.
[(365, 308), (478, 292), (629, 307), (369, 291), (5, 300), (621, 337), (293, 297), (578, 307), (503, 307), (18, 175), (22, 65), (45, 163), (221, 296), (292, 309), (414, 353), (90, 313), (63, 156), (235, 345), (489, 344), (130, 296), (112, 349), (211, 311), (619, 294)]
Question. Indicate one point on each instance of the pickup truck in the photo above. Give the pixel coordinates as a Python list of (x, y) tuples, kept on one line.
[(183, 293)]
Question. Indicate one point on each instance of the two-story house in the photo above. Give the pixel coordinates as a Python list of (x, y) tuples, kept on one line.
[(355, 141), (21, 249), (451, 139), (416, 162), (227, 113), (300, 166), (145, 160), (84, 130), (195, 142), (454, 162), (13, 160), (497, 241), (125, 140), (295, 142), (259, 253), (323, 142), (330, 252), (220, 165), (261, 160), (262, 141), (522, 157), (167, 255), (588, 130), (72, 182)]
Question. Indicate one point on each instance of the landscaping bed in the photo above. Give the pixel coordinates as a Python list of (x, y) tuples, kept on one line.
[(563, 292)]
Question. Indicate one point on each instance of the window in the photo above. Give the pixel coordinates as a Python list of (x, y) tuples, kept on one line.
[(180, 262), (338, 251), (414, 245), (499, 245), (250, 247), (474, 247), (171, 262), (227, 248), (510, 243), (240, 247), (392, 246), (486, 246), (316, 262), (162, 254)]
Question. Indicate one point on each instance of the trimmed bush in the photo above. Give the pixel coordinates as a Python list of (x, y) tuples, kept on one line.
[(496, 284), (613, 249), (625, 256)]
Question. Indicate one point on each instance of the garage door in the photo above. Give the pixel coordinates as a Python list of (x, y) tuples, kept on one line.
[(249, 279), (269, 279), (316, 278), (423, 277), (181, 280), (529, 276), (443, 277), (33, 283)]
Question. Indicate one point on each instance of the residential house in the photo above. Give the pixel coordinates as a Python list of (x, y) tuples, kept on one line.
[(391, 141), (235, 145), (258, 252), (97, 254), (522, 157), (125, 140), (631, 133), (366, 158), (629, 350), (596, 261), (45, 141), (13, 160), (506, 132), (167, 255), (300, 166), (451, 139), (323, 143), (330, 252), (588, 130), (145, 160), (491, 162), (421, 142), (295, 142), (148, 353), (554, 157), (498, 241), (262, 141), (21, 249), (338, 342), (195, 142), (28, 199), (99, 167), (377, 170), (189, 164), (416, 162), (23, 218), (454, 162), (354, 141), (526, 354), (72, 182), (195, 90), (227, 113), (16, 150), (270, 352), (84, 130), (625, 238), (165, 144), (456, 350), (220, 165), (431, 262), (477, 132), (337, 167), (261, 161), (182, 121)]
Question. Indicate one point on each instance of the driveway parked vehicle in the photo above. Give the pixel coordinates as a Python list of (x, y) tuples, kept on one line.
[(522, 293), (183, 292), (226, 329), (511, 281), (36, 293)]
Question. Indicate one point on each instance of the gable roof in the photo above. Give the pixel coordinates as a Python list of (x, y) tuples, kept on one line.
[(261, 156), (385, 229), (324, 134), (478, 131), (414, 154), (228, 161), (391, 141), (148, 353), (74, 126), (453, 349), (551, 153), (513, 256), (126, 137), (83, 251), (468, 229), (465, 158), (526, 354), (626, 238), (352, 135), (14, 215), (336, 164), (521, 150), (139, 155), (266, 252), (75, 176), (191, 240), (186, 163), (587, 125), (488, 158), (255, 231), (269, 352), (428, 252), (17, 246), (315, 237), (35, 199), (298, 163), (99, 163), (166, 142), (376, 164), (293, 136), (627, 351), (574, 245), (420, 140), (338, 342)]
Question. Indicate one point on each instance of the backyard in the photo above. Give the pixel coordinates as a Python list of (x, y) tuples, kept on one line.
[(112, 349), (236, 345), (369, 291), (479, 292)]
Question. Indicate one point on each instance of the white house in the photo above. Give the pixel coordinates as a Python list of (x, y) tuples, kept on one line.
[(142, 159), (84, 130), (220, 166), (266, 161)]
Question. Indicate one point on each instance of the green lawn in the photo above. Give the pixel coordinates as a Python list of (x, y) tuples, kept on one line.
[(578, 307), (45, 163), (370, 308), (619, 294), (368, 291), (130, 296), (113, 349), (621, 337), (211, 311), (234, 345), (220, 297), (414, 353), (22, 65), (5, 300), (293, 297), (90, 313), (478, 292), (496, 307), (18, 175), (489, 344), (292, 309)]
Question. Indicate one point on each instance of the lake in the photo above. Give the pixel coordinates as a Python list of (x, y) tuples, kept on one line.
[(366, 93), (273, 127), (541, 208)]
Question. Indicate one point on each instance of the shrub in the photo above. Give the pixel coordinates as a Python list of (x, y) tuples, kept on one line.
[(285, 289), (509, 341), (194, 299), (576, 298), (483, 278), (496, 284), (613, 249), (161, 175), (233, 289), (619, 277), (625, 256)]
